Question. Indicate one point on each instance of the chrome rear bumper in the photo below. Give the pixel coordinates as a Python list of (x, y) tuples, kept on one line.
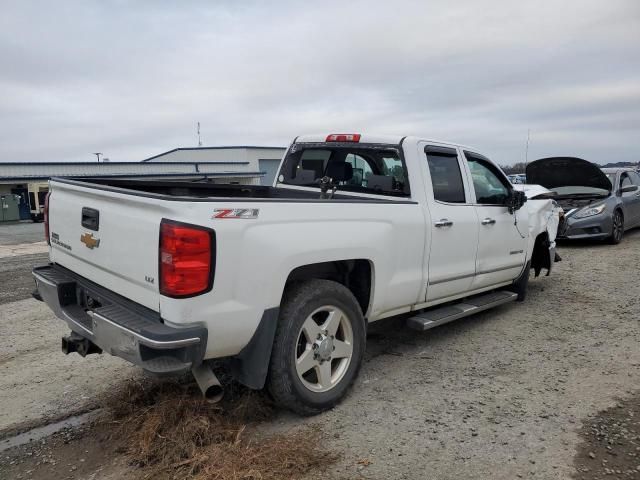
[(117, 325)]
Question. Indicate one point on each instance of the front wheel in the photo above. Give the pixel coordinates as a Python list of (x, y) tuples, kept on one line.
[(318, 347), (617, 229)]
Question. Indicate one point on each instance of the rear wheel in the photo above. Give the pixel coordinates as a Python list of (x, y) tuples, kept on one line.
[(318, 347), (617, 229)]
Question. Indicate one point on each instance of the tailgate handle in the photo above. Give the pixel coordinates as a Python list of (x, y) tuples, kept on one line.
[(90, 218)]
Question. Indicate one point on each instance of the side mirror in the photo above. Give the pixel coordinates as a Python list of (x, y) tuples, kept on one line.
[(516, 200), (629, 188)]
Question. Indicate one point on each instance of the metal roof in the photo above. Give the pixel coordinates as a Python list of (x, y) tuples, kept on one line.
[(618, 169), (146, 175), (26, 172), (246, 147), (47, 164)]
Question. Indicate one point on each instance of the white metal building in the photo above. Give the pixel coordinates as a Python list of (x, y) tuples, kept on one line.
[(245, 165), (247, 158)]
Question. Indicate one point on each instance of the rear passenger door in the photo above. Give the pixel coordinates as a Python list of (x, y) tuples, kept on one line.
[(454, 224), (503, 236)]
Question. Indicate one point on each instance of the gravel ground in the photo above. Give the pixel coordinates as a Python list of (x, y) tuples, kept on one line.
[(611, 444), (509, 393), (16, 282), (20, 233), (501, 394), (37, 382)]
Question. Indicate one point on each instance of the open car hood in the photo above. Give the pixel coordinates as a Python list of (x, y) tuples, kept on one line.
[(556, 172)]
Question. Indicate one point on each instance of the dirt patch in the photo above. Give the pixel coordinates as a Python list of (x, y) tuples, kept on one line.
[(165, 430), (72, 453), (611, 443), (23, 249)]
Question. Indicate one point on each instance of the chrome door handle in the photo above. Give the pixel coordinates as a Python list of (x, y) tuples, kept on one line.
[(488, 221), (443, 223)]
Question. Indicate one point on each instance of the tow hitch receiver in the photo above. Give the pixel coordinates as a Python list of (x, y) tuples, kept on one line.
[(79, 344)]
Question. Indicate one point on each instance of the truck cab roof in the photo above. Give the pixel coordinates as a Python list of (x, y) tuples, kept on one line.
[(374, 139)]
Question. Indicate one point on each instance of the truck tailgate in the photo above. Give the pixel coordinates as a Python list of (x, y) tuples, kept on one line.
[(113, 242)]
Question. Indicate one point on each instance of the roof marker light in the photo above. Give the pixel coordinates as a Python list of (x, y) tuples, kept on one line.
[(343, 137)]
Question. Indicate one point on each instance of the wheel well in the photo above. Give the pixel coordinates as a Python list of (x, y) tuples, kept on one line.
[(540, 255), (354, 274)]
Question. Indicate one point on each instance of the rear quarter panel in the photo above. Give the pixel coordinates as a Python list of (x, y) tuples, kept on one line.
[(255, 257)]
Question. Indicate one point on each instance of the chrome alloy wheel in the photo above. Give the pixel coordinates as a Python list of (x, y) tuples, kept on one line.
[(324, 348)]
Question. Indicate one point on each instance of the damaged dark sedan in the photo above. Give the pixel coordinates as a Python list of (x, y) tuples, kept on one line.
[(597, 203)]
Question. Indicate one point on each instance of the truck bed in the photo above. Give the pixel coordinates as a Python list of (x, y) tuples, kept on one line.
[(202, 191)]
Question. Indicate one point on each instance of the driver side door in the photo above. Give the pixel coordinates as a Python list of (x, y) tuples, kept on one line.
[(630, 200), (502, 236)]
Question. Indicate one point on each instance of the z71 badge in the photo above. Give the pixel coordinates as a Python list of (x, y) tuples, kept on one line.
[(245, 213)]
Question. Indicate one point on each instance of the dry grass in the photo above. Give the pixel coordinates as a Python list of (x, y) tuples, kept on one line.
[(170, 432)]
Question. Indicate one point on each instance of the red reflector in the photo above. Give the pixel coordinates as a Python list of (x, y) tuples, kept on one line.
[(185, 259), (343, 137), (46, 217)]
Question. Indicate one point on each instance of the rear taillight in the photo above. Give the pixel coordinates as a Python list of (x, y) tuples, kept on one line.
[(186, 260), (46, 218), (343, 137)]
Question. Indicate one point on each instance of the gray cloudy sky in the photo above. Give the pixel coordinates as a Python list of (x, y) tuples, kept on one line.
[(132, 78)]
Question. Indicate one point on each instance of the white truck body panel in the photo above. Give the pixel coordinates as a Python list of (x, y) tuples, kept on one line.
[(413, 264), (128, 249)]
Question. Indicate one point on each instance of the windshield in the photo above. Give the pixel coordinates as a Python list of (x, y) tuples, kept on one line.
[(612, 178), (363, 168)]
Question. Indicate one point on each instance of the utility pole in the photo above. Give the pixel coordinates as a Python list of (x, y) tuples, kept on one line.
[(526, 149), (199, 138), (97, 154)]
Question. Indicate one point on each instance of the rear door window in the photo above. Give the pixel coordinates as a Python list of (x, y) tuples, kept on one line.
[(446, 178)]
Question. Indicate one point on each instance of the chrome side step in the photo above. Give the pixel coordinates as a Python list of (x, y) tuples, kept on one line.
[(438, 316)]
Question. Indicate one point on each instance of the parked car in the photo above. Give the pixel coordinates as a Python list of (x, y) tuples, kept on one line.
[(282, 281), (598, 203), (518, 178)]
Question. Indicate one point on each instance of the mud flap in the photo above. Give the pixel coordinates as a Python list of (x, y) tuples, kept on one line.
[(544, 255), (251, 366)]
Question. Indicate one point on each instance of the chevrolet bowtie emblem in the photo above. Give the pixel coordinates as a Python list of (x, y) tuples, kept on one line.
[(89, 241)]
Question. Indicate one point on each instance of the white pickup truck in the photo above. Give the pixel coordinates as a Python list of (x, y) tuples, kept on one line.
[(280, 282)]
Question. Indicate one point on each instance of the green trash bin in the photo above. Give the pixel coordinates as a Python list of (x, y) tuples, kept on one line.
[(9, 208)]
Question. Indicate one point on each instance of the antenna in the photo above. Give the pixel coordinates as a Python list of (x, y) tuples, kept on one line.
[(199, 138), (97, 154), (526, 149)]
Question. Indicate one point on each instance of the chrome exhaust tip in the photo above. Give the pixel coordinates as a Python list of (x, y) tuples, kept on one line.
[(208, 382)]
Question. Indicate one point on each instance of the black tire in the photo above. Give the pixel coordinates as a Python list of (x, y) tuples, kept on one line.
[(521, 283), (299, 303), (617, 228)]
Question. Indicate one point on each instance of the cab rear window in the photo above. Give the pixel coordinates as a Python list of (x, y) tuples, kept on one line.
[(375, 169)]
